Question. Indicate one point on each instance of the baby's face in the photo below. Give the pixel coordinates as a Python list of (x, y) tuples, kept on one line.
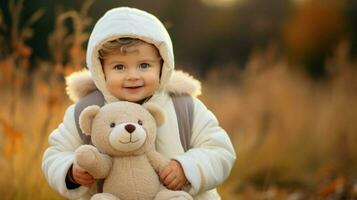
[(135, 75)]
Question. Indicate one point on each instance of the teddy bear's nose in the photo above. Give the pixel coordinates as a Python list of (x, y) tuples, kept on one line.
[(130, 128)]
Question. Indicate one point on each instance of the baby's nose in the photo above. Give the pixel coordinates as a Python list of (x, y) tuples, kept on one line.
[(130, 128), (133, 75)]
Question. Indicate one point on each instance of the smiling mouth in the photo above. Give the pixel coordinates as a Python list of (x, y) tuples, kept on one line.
[(134, 87), (128, 142)]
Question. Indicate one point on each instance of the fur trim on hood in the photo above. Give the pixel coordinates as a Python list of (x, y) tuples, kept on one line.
[(79, 84), (134, 23)]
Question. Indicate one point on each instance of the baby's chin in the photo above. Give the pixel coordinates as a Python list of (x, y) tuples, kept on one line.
[(138, 101), (143, 100)]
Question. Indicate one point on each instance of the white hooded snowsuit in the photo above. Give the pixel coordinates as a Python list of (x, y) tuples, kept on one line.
[(209, 160)]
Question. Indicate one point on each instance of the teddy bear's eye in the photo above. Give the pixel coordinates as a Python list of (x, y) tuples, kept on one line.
[(140, 122), (112, 125)]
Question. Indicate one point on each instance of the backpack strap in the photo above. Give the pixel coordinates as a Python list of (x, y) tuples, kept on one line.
[(94, 98), (184, 113)]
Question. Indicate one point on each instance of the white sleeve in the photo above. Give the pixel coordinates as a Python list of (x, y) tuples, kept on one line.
[(211, 157), (59, 156)]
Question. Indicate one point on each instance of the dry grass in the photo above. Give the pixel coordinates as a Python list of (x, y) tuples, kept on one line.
[(33, 104), (295, 137)]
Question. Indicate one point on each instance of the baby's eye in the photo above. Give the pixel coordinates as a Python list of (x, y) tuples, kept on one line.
[(144, 65), (140, 122), (112, 125), (119, 67)]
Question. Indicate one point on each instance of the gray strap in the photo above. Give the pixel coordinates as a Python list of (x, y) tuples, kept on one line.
[(184, 113), (94, 98)]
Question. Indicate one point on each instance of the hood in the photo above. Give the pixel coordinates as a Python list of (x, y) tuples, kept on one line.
[(79, 84), (134, 23)]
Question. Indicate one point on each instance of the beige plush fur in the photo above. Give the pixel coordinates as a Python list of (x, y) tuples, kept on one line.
[(123, 135), (81, 83), (183, 83), (154, 110), (85, 121)]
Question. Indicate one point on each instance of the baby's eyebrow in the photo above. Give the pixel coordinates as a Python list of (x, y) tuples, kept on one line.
[(150, 59), (115, 62)]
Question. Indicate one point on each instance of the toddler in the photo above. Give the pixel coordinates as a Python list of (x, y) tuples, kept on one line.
[(130, 58)]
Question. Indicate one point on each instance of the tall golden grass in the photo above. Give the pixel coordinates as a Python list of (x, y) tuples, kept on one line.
[(293, 135)]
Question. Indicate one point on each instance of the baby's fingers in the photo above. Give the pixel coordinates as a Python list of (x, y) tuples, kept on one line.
[(85, 176), (179, 185), (164, 173), (85, 182), (84, 179), (173, 184), (169, 179)]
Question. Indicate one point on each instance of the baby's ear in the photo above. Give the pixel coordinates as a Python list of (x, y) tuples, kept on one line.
[(86, 118), (156, 112)]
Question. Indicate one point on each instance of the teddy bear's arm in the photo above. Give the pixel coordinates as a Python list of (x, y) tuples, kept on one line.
[(97, 164), (157, 160)]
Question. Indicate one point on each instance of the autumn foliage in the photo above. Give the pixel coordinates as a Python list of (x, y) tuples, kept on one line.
[(295, 137)]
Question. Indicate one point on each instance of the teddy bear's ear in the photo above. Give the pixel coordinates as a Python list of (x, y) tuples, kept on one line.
[(86, 118), (156, 112)]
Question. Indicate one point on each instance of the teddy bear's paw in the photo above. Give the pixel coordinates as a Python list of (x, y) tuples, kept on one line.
[(172, 195), (86, 156), (104, 196)]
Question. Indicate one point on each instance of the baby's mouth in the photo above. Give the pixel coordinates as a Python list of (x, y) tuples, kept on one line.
[(133, 87)]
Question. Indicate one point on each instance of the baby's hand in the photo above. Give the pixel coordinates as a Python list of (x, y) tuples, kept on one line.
[(172, 176), (81, 176)]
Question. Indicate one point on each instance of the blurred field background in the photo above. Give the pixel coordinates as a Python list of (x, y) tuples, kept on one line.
[(280, 75)]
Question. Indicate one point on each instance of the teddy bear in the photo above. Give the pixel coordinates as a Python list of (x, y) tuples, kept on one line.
[(123, 151)]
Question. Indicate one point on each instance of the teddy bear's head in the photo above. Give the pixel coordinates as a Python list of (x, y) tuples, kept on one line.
[(122, 128)]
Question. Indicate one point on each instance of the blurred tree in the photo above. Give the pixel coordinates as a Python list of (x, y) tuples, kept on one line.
[(259, 23), (214, 36), (312, 32), (42, 27), (351, 19)]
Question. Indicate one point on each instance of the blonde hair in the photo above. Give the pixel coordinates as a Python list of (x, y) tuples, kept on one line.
[(120, 45)]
